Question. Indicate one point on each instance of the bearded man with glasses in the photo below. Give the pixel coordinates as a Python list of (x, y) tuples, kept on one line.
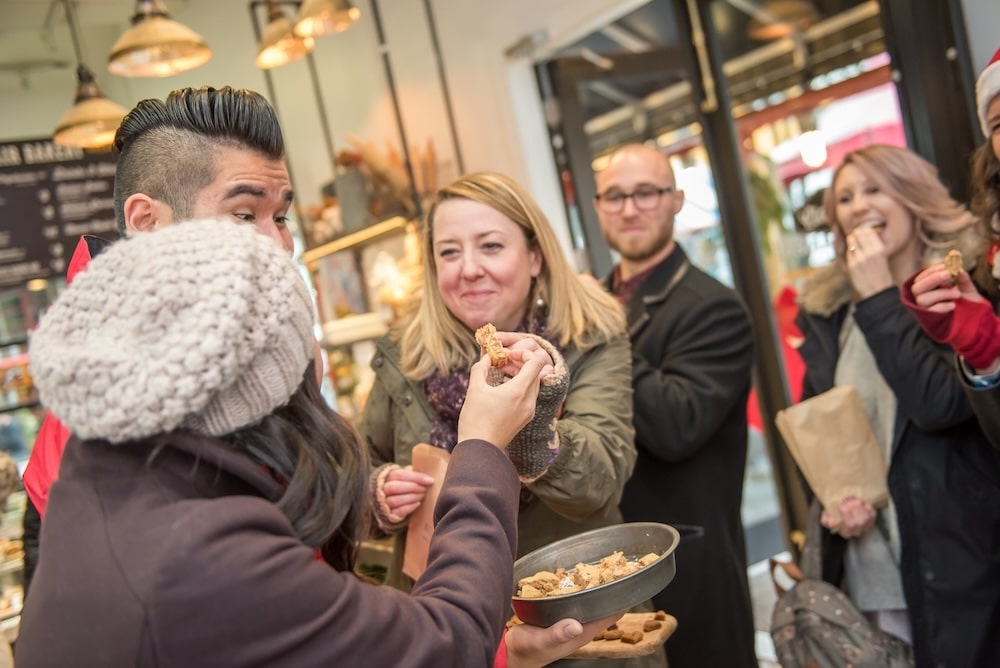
[(692, 352)]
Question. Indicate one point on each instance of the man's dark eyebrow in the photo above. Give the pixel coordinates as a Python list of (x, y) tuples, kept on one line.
[(244, 189), (255, 191)]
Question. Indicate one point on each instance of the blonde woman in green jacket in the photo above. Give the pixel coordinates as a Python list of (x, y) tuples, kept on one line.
[(490, 256)]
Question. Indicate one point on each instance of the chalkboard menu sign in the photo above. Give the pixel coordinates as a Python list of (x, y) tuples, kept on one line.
[(49, 197)]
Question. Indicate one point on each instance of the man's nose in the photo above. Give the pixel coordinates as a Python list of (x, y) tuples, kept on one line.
[(629, 208), (271, 229)]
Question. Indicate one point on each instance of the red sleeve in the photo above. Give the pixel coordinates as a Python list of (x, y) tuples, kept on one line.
[(501, 658), (43, 465)]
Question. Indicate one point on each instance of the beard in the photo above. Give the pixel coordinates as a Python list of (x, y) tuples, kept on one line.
[(640, 248)]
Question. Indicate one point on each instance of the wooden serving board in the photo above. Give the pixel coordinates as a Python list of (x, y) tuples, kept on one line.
[(616, 649)]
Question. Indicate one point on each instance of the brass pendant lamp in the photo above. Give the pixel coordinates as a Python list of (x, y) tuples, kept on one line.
[(156, 45), (279, 45), (782, 18), (93, 119), (321, 17)]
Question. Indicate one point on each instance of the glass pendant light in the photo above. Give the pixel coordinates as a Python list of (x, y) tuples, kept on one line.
[(788, 17), (93, 119), (156, 45), (321, 17), (279, 45)]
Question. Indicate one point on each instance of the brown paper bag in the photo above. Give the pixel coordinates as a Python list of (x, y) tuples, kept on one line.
[(434, 462), (832, 441)]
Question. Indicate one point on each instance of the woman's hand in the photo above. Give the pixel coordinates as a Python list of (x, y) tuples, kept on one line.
[(536, 646), (856, 517), (867, 262), (404, 491), (496, 414), (517, 341), (935, 290)]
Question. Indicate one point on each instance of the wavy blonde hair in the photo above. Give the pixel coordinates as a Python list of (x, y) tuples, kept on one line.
[(434, 340), (942, 223)]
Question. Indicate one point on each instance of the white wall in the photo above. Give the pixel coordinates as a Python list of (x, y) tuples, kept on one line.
[(982, 19)]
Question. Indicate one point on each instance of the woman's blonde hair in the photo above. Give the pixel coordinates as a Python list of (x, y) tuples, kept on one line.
[(432, 339), (942, 223)]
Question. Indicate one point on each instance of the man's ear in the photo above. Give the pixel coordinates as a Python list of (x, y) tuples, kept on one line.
[(144, 214), (678, 200)]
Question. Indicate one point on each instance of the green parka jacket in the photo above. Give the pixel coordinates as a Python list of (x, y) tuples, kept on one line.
[(581, 489)]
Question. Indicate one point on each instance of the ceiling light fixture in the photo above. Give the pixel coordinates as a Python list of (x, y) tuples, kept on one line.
[(279, 45), (93, 119), (156, 45), (321, 17), (782, 18)]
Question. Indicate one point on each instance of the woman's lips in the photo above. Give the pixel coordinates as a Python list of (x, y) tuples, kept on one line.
[(477, 296)]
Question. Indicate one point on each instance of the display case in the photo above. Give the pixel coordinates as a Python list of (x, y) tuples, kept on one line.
[(11, 564), (360, 279)]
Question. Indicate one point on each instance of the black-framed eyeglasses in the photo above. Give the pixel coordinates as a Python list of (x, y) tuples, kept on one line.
[(645, 198)]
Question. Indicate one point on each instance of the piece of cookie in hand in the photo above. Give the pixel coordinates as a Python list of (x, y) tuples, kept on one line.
[(953, 263), (486, 337)]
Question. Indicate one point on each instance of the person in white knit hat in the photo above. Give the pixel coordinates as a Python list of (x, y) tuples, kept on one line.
[(198, 153), (206, 470)]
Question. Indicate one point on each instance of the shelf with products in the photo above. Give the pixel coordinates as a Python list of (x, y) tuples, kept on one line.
[(360, 280), (11, 564), (355, 240)]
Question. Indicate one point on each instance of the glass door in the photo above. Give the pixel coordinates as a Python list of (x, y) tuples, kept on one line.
[(632, 81)]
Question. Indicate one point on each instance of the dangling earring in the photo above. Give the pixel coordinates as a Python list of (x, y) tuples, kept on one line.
[(539, 301)]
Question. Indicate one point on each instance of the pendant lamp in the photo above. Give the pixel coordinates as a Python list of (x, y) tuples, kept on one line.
[(279, 45), (156, 45), (93, 119), (321, 17), (786, 18)]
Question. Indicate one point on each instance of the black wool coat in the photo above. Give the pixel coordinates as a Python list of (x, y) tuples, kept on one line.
[(692, 353), (944, 477)]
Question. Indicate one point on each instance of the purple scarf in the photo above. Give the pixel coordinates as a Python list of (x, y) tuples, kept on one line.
[(446, 391)]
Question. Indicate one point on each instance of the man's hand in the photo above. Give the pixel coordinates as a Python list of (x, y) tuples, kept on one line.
[(535, 646)]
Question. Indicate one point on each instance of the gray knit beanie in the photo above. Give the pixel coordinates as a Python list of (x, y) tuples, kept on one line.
[(205, 325)]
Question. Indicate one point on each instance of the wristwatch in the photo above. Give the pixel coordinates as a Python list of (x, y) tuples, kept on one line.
[(980, 382)]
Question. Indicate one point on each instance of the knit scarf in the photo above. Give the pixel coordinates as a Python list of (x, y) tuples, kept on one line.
[(872, 560), (446, 391)]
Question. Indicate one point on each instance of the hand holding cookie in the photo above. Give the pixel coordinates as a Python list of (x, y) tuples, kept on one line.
[(937, 287), (496, 413), (504, 350), (486, 337)]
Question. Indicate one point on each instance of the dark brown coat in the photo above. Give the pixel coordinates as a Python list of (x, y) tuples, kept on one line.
[(181, 558)]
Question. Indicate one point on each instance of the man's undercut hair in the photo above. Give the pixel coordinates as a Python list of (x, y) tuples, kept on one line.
[(166, 148)]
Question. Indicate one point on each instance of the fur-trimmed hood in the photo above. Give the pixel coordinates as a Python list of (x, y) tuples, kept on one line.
[(826, 290)]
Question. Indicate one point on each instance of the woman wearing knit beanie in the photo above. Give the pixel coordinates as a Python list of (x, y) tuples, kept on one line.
[(206, 470), (962, 309)]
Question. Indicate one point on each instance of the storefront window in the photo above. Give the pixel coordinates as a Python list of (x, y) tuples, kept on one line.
[(803, 96)]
